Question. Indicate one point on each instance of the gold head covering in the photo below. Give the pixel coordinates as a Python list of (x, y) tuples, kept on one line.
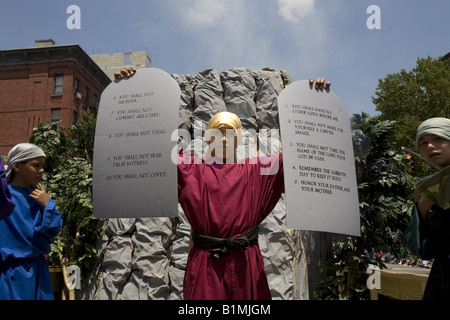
[(224, 119)]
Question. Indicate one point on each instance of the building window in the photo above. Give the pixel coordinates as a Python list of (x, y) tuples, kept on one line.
[(58, 84), (74, 118), (55, 116), (86, 96), (127, 58), (95, 101), (76, 87)]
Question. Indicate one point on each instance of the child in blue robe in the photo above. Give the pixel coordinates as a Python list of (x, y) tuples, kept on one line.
[(26, 235)]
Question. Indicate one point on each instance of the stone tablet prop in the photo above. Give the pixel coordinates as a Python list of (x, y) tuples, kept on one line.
[(319, 167), (133, 174)]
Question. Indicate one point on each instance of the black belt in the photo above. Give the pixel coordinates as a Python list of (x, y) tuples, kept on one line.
[(218, 247)]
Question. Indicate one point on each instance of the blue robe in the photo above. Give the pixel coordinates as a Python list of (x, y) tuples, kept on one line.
[(6, 204), (25, 237), (430, 239)]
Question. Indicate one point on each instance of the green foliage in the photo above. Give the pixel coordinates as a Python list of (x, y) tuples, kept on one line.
[(421, 93), (346, 279), (69, 182), (385, 191), (385, 195), (411, 97)]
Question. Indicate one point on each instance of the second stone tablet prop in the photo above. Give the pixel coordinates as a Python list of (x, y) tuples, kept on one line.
[(319, 166), (133, 175)]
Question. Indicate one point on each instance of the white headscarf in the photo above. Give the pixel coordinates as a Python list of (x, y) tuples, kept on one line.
[(437, 126), (20, 153)]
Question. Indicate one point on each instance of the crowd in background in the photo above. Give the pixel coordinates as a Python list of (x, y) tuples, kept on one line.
[(390, 258)]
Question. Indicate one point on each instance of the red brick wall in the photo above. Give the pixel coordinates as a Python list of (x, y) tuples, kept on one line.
[(26, 98)]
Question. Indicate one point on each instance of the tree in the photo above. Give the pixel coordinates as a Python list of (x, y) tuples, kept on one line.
[(411, 97), (68, 173), (385, 196)]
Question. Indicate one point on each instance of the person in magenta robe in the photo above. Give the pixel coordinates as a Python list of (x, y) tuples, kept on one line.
[(223, 201)]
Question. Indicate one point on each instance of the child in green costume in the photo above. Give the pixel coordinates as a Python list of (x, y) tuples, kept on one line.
[(428, 233)]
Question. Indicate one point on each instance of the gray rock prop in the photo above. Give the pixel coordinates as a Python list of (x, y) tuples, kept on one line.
[(145, 258)]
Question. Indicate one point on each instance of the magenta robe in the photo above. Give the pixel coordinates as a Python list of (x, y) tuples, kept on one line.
[(223, 201)]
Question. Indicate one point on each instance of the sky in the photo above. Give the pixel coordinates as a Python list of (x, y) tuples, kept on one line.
[(307, 38)]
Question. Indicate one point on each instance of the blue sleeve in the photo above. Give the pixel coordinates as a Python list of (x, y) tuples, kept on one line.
[(49, 221), (412, 233), (429, 238), (6, 204)]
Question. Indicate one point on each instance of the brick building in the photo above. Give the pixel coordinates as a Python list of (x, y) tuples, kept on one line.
[(47, 83)]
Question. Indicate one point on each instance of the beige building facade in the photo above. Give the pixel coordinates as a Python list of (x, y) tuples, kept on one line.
[(111, 63)]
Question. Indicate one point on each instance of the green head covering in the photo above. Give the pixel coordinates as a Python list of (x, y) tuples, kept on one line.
[(437, 126), (436, 187)]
